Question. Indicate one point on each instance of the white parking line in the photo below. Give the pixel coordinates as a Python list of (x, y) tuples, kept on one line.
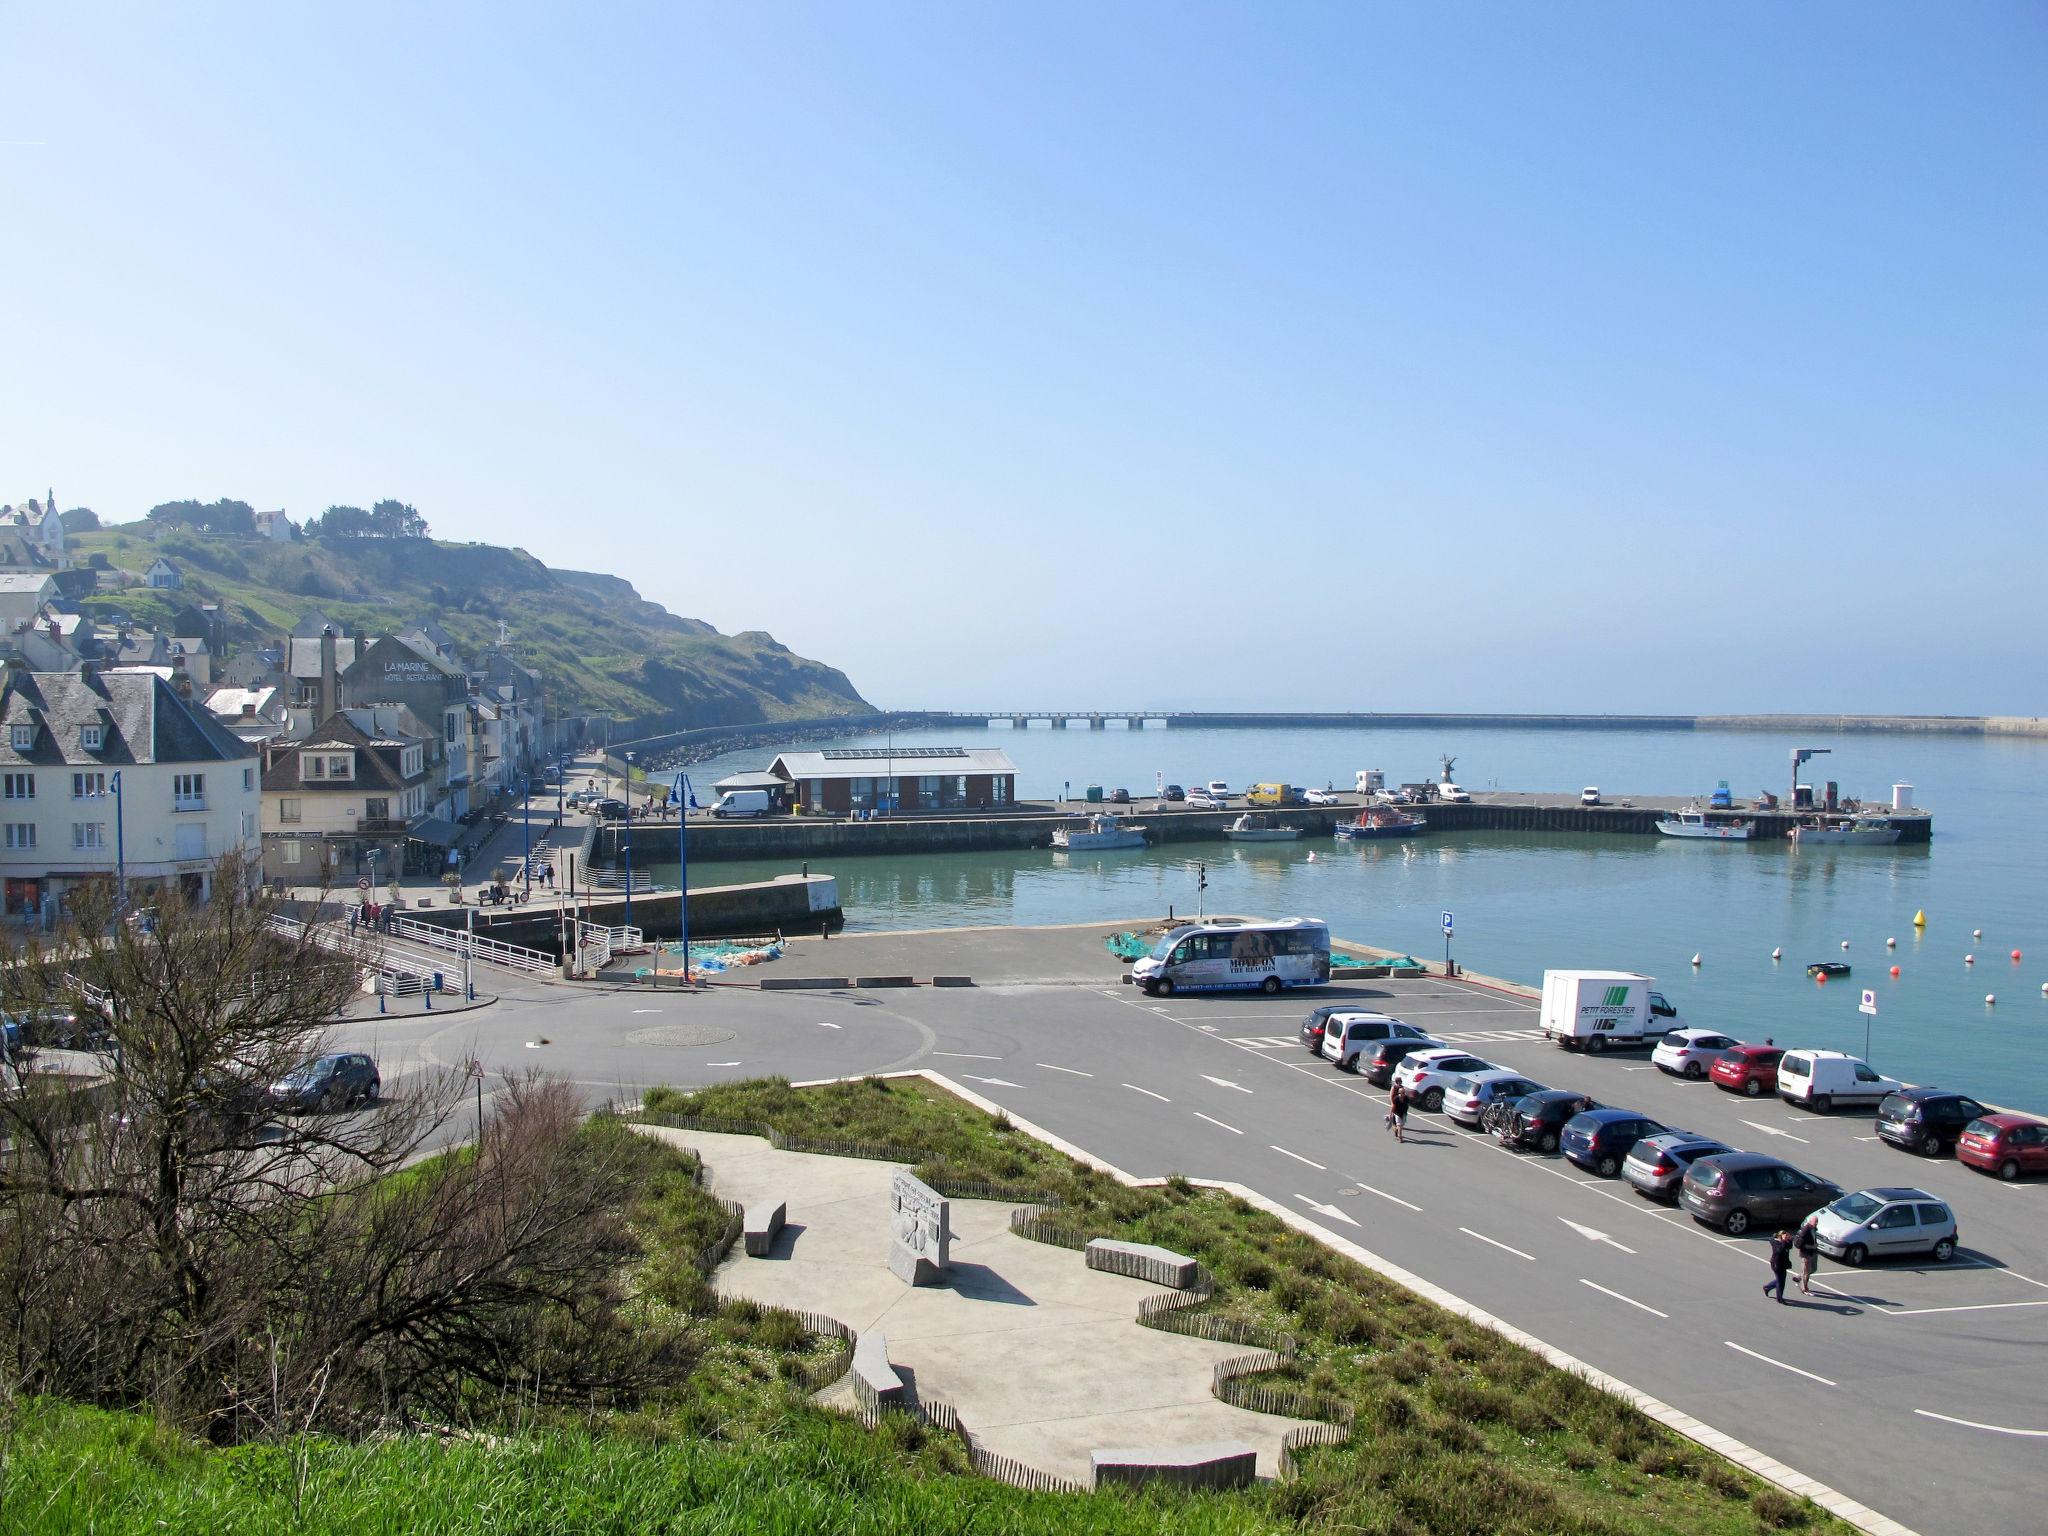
[(1162, 1098), (1629, 1299), (1502, 1246), (1213, 1121), (1743, 1349), (1385, 1196), (968, 1055), (1996, 1429), (721, 1063), (1772, 1130), (1297, 1157), (1986, 1306), (1071, 1071)]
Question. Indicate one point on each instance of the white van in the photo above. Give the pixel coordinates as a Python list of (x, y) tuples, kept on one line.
[(1234, 956), (1820, 1080), (742, 802)]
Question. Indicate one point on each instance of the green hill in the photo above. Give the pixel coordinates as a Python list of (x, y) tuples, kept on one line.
[(603, 649)]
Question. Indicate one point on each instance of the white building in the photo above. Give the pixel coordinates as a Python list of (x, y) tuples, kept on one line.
[(113, 775)]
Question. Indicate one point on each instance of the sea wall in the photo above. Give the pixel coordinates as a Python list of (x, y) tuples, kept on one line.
[(786, 904)]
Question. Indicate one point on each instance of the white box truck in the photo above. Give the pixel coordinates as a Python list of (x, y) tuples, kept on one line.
[(742, 802), (1595, 1010)]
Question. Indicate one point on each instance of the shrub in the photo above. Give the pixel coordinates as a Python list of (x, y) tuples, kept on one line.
[(1778, 1509)]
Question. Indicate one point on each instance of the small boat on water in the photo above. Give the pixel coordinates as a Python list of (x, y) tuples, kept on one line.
[(1856, 831), (1254, 828), (1693, 822), (1100, 832), (1380, 821), (1828, 968)]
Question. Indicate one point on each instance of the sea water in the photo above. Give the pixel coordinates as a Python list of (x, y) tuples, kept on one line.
[(1525, 902)]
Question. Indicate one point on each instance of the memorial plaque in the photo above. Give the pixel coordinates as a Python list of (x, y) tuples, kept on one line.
[(920, 1236)]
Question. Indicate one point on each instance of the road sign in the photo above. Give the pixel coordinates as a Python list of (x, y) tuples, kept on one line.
[(1869, 1003), (1447, 922), (362, 882)]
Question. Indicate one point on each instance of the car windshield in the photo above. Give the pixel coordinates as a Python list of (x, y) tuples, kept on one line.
[(1856, 1208), (1163, 948)]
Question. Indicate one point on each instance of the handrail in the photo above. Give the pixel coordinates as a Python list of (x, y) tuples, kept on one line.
[(461, 941)]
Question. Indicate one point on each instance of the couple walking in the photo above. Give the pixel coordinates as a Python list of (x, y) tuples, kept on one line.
[(1397, 1112), (1783, 1245)]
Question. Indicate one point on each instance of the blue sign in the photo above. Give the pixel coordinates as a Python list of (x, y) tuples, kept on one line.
[(1447, 922)]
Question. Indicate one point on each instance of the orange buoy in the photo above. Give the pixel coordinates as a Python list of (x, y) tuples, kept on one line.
[(1895, 973), (1820, 978), (2015, 954)]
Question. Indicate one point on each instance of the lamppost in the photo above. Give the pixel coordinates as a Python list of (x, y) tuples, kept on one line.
[(526, 836), (626, 853), (120, 849), (687, 794)]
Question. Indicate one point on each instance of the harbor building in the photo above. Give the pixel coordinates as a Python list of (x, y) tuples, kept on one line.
[(844, 781)]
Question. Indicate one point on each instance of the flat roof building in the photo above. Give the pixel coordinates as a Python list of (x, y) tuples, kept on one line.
[(839, 781)]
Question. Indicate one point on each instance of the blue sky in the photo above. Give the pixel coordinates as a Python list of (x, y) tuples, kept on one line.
[(1545, 357)]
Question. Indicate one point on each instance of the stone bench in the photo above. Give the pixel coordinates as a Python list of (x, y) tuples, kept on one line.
[(874, 1378), (1220, 1464), (1142, 1261), (762, 1223)]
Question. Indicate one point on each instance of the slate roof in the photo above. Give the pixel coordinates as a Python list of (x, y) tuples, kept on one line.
[(339, 733), (145, 720), (303, 657)]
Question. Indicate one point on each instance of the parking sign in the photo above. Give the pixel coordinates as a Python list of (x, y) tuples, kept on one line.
[(1447, 922), (1869, 1003)]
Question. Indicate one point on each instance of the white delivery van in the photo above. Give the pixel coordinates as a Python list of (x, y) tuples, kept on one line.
[(742, 802), (1821, 1080), (1593, 1010)]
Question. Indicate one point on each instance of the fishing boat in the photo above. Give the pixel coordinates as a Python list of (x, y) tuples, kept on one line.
[(1693, 822), (1100, 832), (1254, 828), (1857, 831), (1380, 821)]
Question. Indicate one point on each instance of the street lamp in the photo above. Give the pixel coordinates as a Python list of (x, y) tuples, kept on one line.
[(626, 853), (526, 835), (120, 849), (687, 794)]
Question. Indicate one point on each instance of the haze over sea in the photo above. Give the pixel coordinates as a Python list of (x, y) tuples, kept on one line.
[(1527, 902)]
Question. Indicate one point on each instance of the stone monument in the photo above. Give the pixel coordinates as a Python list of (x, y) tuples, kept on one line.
[(920, 1234)]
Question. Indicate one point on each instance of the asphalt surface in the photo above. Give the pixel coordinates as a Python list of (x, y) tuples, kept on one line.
[(1914, 1387)]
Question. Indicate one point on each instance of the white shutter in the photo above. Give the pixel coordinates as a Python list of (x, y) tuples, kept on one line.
[(191, 840)]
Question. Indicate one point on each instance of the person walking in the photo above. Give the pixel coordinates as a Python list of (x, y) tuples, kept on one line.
[(1397, 1108), (1808, 1245), (1781, 1264)]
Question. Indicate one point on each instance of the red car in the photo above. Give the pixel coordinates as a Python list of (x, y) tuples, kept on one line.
[(2007, 1145), (1750, 1069)]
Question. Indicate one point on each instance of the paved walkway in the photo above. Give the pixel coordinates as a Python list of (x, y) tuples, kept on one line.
[(1041, 1355)]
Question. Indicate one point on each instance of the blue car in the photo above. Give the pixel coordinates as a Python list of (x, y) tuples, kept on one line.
[(1599, 1139)]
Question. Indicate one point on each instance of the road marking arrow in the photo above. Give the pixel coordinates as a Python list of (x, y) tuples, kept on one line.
[(1327, 1210), (993, 1082), (1772, 1130), (1224, 1082), (1594, 1234)]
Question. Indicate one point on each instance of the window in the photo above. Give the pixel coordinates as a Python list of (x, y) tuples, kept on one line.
[(190, 840), (92, 737), (312, 766), (21, 737), (188, 791), (288, 810), (288, 852), (88, 786), (21, 786), (341, 767), (1895, 1216), (248, 780), (377, 809), (248, 825), (21, 834), (88, 834)]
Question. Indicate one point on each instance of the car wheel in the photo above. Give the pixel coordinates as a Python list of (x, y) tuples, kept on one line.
[(1695, 1071), (1752, 1087), (1164, 989), (1608, 1166), (1735, 1223), (1433, 1100), (1270, 986), (1854, 1255), (1930, 1146), (1822, 1104), (1548, 1142), (1944, 1250), (2009, 1169)]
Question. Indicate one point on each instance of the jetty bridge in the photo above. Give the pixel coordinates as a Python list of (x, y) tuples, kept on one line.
[(1211, 720)]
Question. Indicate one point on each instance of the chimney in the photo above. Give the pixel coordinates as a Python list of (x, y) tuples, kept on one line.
[(248, 709), (330, 685), (181, 679)]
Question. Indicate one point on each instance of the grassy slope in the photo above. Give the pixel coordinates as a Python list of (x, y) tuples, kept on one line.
[(602, 647)]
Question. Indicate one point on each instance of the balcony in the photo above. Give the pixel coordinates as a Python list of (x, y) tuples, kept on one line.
[(188, 802), (380, 825)]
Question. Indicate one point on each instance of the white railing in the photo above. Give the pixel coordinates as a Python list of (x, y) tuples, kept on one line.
[(460, 941), (612, 880), (396, 973)]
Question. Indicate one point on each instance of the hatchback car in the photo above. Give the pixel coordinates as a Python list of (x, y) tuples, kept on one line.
[(1320, 797), (1689, 1052), (1377, 1063), (1885, 1223), (1426, 1074), (2007, 1145), (1345, 1035), (1656, 1165), (1202, 800), (1599, 1139), (339, 1080), (1539, 1118), (1926, 1120), (1466, 1098), (1312, 1026), (1747, 1069), (1739, 1190)]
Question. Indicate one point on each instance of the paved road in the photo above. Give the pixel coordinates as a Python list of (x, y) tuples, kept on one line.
[(1913, 1387)]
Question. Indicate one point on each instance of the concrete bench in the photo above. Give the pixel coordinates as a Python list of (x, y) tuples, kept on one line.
[(804, 983), (952, 981), (885, 981), (1142, 1261), (762, 1223), (874, 1377), (1220, 1464)]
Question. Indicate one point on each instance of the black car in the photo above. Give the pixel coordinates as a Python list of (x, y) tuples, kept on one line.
[(1600, 1138), (64, 1029), (1376, 1063), (609, 810), (1173, 792), (339, 1080), (1926, 1120), (1539, 1118)]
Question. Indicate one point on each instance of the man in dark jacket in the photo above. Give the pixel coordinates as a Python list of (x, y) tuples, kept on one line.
[(1781, 1264)]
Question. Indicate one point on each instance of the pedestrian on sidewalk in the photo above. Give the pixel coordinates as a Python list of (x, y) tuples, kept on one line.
[(1781, 1264), (1808, 1245)]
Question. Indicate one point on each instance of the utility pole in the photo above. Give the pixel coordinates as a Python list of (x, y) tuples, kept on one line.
[(120, 849)]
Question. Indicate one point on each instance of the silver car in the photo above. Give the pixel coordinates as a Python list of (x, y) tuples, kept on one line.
[(1878, 1223), (1656, 1165)]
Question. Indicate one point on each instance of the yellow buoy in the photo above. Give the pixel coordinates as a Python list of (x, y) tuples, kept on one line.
[(1919, 919)]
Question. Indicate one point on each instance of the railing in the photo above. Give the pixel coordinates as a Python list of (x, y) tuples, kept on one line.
[(459, 941), (612, 880), (396, 975), (188, 803)]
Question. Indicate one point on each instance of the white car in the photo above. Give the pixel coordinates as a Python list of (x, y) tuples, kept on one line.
[(1824, 1080), (1320, 797), (1590, 795), (1466, 1097), (1202, 800), (1426, 1074), (1690, 1052), (1216, 789), (1347, 1035), (1450, 794)]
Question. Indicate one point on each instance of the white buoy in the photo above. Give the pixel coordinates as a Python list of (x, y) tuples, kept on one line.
[(1845, 943), (1311, 856), (1778, 954), (1969, 959), (1976, 933), (1990, 998), (1891, 943), (1695, 961)]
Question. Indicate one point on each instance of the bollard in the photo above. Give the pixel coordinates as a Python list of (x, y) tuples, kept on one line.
[(380, 1001), (429, 997)]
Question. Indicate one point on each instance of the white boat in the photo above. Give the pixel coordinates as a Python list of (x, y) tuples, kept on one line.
[(1101, 832), (1693, 822), (1254, 828), (1860, 831)]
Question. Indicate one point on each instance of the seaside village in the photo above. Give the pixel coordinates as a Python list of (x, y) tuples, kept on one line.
[(320, 755)]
